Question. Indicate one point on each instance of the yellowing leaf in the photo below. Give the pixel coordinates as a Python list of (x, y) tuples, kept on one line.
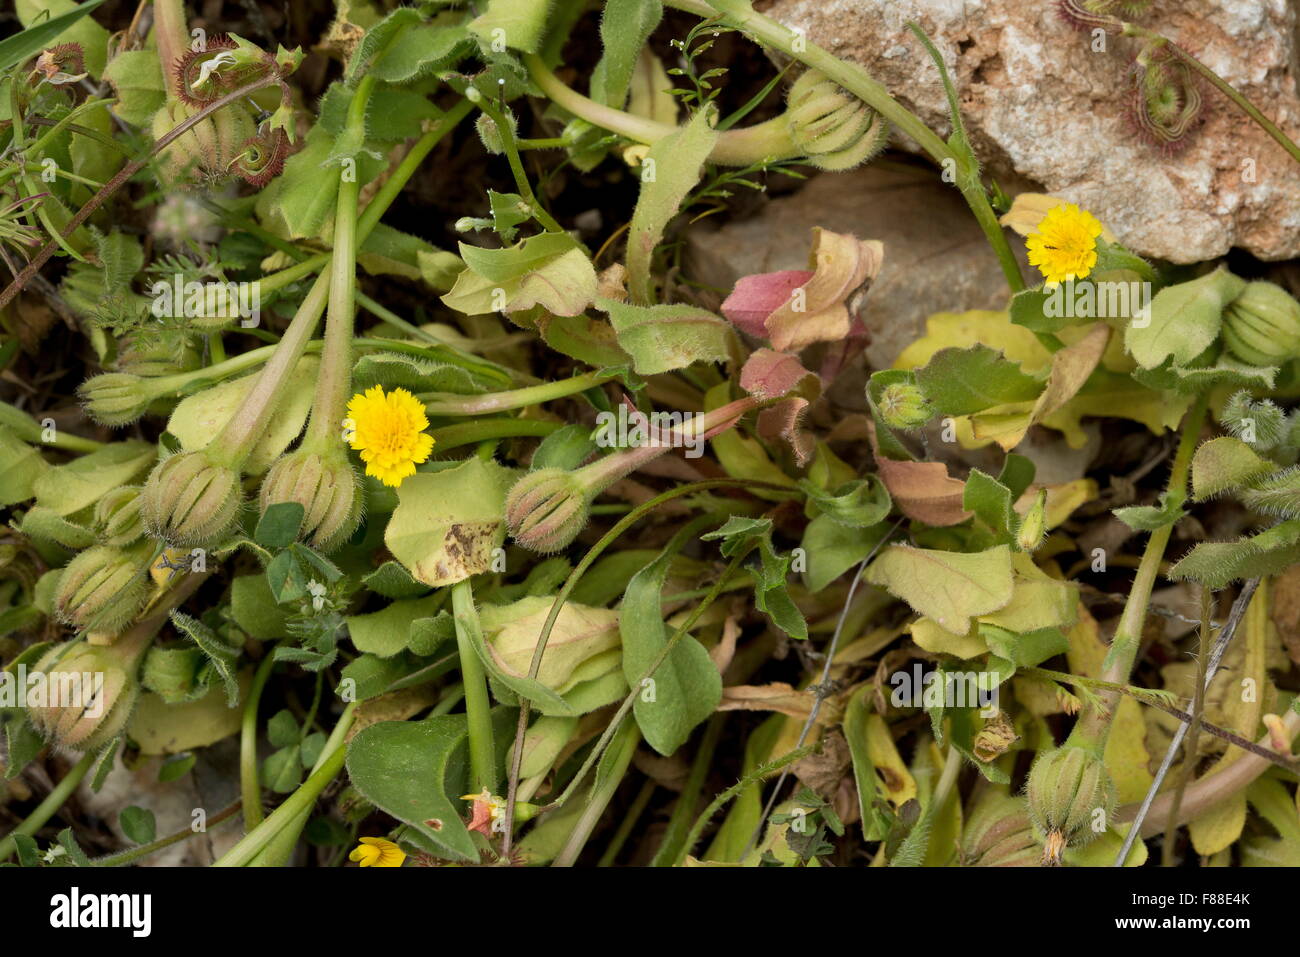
[(949, 587)]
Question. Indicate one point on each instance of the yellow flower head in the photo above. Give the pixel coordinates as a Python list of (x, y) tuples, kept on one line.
[(377, 852), (388, 431), (1065, 245)]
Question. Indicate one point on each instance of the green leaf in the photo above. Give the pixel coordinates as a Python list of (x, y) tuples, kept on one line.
[(1148, 518), (403, 47), (547, 270), (47, 524), (664, 338), (1219, 564), (624, 28), (20, 467), (949, 587), (965, 381), (254, 608), (137, 824), (282, 729), (65, 489), (415, 771), (278, 525), (857, 504), (833, 548), (137, 79), (520, 23), (668, 173), (222, 656), (199, 418), (1024, 650), (1225, 463), (447, 523), (392, 580), (386, 632), (282, 770), (1184, 320), (991, 502), (566, 448), (685, 689)]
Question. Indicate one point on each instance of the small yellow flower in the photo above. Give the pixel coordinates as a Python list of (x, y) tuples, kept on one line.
[(1065, 245), (388, 431), (377, 852)]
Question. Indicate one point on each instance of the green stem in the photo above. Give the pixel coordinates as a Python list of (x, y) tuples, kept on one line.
[(1094, 725), (607, 783), (478, 706), (380, 202), (335, 382), (450, 404), (144, 850), (505, 131), (625, 827), (753, 777), (297, 804), (1247, 107), (250, 786), (619, 527), (679, 821), (470, 433), (50, 806)]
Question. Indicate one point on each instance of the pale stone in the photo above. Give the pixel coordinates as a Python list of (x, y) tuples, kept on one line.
[(1038, 102)]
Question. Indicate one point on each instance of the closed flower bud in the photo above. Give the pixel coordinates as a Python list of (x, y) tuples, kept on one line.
[(167, 353), (117, 515), (1034, 524), (115, 398), (546, 509), (191, 500), (904, 406), (1067, 787), (998, 834), (89, 692), (103, 588), (491, 135), (325, 485), (833, 128), (1262, 325)]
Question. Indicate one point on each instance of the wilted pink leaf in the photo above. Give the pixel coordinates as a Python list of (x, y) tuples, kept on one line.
[(842, 265), (757, 297), (768, 374)]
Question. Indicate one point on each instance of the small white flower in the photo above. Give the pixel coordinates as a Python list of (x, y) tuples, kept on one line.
[(317, 591)]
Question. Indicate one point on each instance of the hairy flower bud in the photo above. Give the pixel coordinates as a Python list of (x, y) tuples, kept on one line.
[(998, 833), (103, 588), (165, 353), (1262, 325), (833, 128), (1067, 787), (117, 516), (491, 135), (191, 500), (904, 406), (546, 509), (89, 692), (115, 398), (325, 485)]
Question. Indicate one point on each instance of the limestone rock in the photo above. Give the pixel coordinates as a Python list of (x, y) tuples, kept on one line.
[(1039, 102)]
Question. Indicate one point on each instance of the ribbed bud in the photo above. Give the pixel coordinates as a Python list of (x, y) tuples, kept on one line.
[(89, 690), (115, 398), (1067, 787), (117, 516), (833, 128), (1262, 325), (546, 509), (103, 588), (998, 834), (904, 406), (325, 486), (167, 353), (191, 500)]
